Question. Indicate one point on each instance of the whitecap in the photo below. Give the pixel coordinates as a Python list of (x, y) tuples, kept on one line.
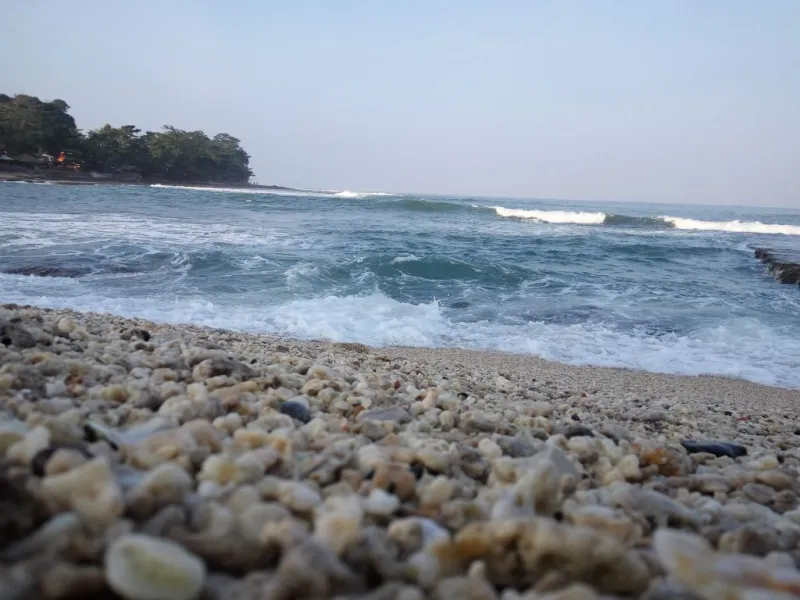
[(552, 216)]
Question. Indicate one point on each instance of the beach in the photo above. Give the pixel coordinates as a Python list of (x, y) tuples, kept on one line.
[(151, 460)]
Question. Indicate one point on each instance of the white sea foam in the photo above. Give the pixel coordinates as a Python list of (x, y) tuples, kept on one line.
[(47, 229), (738, 347), (404, 258), (552, 216), (273, 192), (732, 226), (238, 190), (349, 194), (300, 271)]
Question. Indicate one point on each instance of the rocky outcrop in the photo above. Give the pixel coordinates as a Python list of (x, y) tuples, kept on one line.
[(783, 269)]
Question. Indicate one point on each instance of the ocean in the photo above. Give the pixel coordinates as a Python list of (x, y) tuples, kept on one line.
[(664, 288)]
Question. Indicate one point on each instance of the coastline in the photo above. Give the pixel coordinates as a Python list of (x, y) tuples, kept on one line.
[(255, 466), (68, 178), (710, 394)]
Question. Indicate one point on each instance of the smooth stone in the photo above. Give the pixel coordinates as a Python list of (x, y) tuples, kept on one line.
[(570, 431), (652, 416), (396, 414), (141, 567), (12, 334), (716, 448), (516, 447), (296, 411)]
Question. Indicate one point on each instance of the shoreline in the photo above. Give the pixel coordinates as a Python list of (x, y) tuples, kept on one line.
[(41, 177), (588, 375), (255, 466), (709, 390)]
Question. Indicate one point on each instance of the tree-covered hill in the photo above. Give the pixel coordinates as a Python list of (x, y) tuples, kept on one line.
[(29, 126)]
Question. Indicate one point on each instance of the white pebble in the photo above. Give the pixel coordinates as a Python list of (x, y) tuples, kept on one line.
[(141, 567)]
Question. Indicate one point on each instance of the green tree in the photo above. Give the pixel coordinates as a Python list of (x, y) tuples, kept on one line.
[(110, 149), (28, 125)]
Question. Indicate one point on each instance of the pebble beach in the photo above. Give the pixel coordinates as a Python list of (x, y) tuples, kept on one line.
[(145, 461)]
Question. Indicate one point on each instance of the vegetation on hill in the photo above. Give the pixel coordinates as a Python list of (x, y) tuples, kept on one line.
[(31, 126)]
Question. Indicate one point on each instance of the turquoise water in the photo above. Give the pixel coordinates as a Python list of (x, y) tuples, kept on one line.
[(663, 288)]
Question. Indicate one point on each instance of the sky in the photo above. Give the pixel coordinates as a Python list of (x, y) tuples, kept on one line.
[(624, 100)]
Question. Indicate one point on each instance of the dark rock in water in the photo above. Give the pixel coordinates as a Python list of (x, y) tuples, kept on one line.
[(43, 271), (716, 448), (296, 411), (783, 269), (12, 334), (460, 304)]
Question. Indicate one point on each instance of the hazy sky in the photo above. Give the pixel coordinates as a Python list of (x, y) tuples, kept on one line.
[(675, 101)]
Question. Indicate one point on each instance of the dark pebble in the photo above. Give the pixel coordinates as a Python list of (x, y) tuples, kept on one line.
[(728, 413), (715, 448), (296, 411), (571, 431), (15, 335), (797, 431), (576, 418), (418, 469), (142, 334)]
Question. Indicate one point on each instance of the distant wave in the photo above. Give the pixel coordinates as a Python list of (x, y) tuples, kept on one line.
[(600, 218), (732, 226), (272, 191), (233, 190), (349, 194), (553, 216)]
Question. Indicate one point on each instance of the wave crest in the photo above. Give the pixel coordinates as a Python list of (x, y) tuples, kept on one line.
[(553, 216), (349, 194), (731, 226)]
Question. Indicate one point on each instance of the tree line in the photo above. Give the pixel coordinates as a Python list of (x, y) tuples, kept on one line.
[(30, 126)]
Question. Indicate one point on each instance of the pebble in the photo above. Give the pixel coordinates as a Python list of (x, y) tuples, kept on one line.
[(380, 503), (90, 489), (394, 414), (715, 448), (190, 460), (296, 411), (140, 567)]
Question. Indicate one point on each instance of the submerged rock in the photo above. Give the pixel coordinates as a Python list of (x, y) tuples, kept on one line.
[(783, 269)]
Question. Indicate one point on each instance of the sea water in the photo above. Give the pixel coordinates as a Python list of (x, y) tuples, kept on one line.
[(665, 288)]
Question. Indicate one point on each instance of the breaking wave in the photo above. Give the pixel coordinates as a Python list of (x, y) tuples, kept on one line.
[(601, 218), (553, 216), (732, 226)]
